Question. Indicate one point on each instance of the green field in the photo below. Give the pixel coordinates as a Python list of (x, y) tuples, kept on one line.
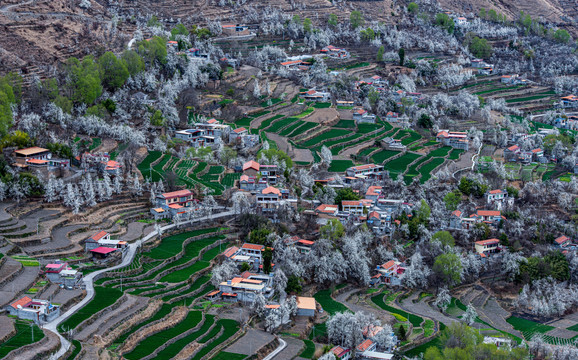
[(528, 328), (328, 304), (280, 124), (383, 155), (150, 344), (400, 164), (309, 349), (345, 124), (414, 319), (455, 154), (333, 133), (340, 165), (172, 245), (23, 337), (161, 313), (103, 297), (145, 166), (426, 169), (230, 326), (440, 152), (173, 349), (187, 272)]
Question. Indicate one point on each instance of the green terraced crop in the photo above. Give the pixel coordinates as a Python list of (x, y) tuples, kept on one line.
[(23, 337), (340, 165), (333, 133), (103, 297), (383, 155), (328, 304), (172, 245)]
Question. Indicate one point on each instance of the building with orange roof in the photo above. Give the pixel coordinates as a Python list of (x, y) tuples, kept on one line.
[(361, 116), (39, 311), (341, 353), (371, 171), (570, 101), (486, 247), (245, 289), (94, 241), (391, 272), (455, 139), (251, 168), (563, 241), (366, 345), (235, 30), (315, 95)]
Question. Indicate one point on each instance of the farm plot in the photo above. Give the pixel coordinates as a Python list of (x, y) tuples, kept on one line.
[(200, 282), (412, 171), (230, 327), (383, 155), (266, 123), (280, 124), (306, 126), (150, 344), (427, 169), (440, 152), (24, 334), (528, 328), (455, 154), (145, 167), (161, 313), (340, 165), (414, 319), (230, 178), (172, 245), (328, 304), (173, 349), (399, 165), (366, 151), (319, 139), (187, 272), (345, 124), (103, 297)]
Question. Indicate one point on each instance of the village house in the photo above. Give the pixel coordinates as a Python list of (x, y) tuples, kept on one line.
[(461, 21), (379, 221), (335, 52), (390, 143), (34, 156), (306, 306), (341, 353), (455, 139), (373, 192), (269, 199), (99, 161), (570, 101), (251, 168), (302, 245), (314, 95), (499, 198), (354, 207), (184, 198), (327, 210), (512, 153), (490, 217), (566, 122), (371, 171), (39, 311), (366, 345), (563, 241), (456, 220), (391, 272), (296, 65), (361, 116), (198, 138), (392, 117), (61, 273), (213, 128), (245, 289), (235, 135), (93, 241), (509, 79), (252, 183), (538, 155), (235, 30), (486, 247)]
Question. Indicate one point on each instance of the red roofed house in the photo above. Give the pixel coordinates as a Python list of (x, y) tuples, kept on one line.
[(315, 95), (455, 139), (102, 252), (335, 52), (354, 207), (570, 101), (39, 311), (512, 153), (563, 241), (341, 353), (499, 198), (35, 152), (488, 216), (269, 199), (237, 133), (392, 117), (366, 345), (391, 271), (254, 251), (327, 210), (235, 30), (251, 168), (372, 171), (304, 246), (93, 241), (362, 116), (487, 247), (184, 198), (373, 192)]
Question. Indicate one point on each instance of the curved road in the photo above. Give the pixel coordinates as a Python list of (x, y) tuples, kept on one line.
[(282, 345), (126, 260)]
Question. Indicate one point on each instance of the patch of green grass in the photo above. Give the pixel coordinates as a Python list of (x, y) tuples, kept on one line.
[(230, 326), (427, 169), (309, 349), (145, 166), (383, 155), (305, 113), (273, 102), (319, 139), (367, 151), (318, 331), (161, 313), (414, 319), (428, 327), (345, 124), (23, 337), (322, 105), (280, 124), (528, 328), (95, 143), (400, 164), (340, 165), (172, 245), (440, 152), (328, 304), (305, 126), (77, 347), (455, 154), (187, 272), (151, 343), (103, 297), (173, 349), (222, 355)]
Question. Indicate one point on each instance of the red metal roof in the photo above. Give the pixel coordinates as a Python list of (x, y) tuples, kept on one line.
[(488, 242), (99, 235), (102, 250), (251, 165), (252, 246), (178, 193), (22, 302)]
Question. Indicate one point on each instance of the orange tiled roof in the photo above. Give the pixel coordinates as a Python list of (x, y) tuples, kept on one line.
[(22, 302)]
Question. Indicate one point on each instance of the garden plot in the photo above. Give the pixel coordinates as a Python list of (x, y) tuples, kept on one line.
[(319, 139), (383, 155), (328, 304), (25, 332), (340, 165), (399, 165)]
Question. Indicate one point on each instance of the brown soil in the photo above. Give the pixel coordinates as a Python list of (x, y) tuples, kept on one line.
[(323, 116)]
